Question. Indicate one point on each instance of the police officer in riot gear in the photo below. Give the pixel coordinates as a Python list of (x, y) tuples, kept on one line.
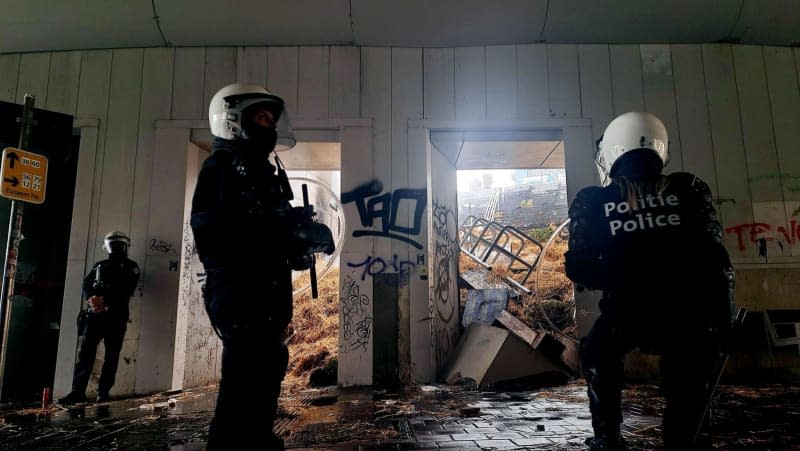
[(652, 243), (249, 238), (107, 288)]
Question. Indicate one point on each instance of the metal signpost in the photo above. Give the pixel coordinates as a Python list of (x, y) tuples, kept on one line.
[(23, 178)]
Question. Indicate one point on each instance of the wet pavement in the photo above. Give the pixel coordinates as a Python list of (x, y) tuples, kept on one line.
[(415, 418)]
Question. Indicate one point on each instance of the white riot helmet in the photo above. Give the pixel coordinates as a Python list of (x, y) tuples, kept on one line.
[(116, 241), (230, 107), (627, 132)]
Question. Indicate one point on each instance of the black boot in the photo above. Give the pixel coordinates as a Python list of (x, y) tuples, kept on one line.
[(606, 442), (74, 397)]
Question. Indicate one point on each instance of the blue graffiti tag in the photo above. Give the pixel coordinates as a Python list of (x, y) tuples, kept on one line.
[(385, 207), (376, 265)]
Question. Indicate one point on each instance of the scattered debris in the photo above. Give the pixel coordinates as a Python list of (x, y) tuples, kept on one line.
[(160, 406), (489, 355)]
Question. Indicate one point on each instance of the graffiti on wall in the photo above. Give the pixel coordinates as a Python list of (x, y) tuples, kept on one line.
[(790, 182), (376, 265), (771, 228), (356, 316), (445, 258), (445, 338), (164, 247), (385, 207), (191, 280), (785, 236)]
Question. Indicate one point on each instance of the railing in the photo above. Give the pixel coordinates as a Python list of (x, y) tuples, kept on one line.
[(486, 241)]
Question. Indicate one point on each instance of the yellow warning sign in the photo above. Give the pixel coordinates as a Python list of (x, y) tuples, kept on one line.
[(24, 175)]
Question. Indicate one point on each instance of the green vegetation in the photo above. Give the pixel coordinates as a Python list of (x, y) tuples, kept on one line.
[(541, 234)]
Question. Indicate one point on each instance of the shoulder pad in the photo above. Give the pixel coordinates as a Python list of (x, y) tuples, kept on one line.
[(689, 182), (585, 197), (218, 157), (589, 193)]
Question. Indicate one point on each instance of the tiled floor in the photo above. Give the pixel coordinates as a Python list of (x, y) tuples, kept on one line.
[(417, 418)]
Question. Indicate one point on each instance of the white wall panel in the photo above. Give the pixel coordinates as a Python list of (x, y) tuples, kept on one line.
[(155, 101), (376, 103), (33, 77), (563, 80), (220, 67), (356, 311), (93, 92), (501, 82), (116, 176), (659, 97), (161, 272), (784, 94), (9, 75), (251, 65), (62, 92), (313, 91), (438, 83), (188, 84), (532, 81), (470, 82), (692, 110), (759, 144), (407, 103), (282, 70), (734, 205), (626, 78), (345, 82), (596, 93)]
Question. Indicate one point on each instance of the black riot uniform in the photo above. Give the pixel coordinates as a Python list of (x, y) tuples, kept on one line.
[(249, 238), (115, 279), (667, 287), (241, 219)]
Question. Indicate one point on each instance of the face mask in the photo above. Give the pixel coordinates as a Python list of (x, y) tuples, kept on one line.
[(118, 248), (262, 137)]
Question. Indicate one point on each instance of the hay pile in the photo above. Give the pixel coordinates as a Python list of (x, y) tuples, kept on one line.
[(314, 332)]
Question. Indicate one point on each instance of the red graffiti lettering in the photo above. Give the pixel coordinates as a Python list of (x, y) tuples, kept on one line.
[(756, 231)]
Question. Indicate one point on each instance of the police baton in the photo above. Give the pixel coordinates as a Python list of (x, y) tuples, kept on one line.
[(312, 271)]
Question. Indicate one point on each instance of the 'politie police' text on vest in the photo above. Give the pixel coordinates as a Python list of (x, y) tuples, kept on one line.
[(643, 219)]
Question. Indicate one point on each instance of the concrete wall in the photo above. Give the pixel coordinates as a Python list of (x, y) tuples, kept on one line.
[(732, 113)]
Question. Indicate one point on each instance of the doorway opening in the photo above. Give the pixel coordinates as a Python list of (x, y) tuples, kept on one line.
[(512, 208)]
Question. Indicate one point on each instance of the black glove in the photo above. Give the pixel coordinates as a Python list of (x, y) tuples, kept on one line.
[(312, 237), (300, 262)]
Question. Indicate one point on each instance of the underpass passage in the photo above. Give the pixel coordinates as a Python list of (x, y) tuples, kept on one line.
[(502, 250)]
